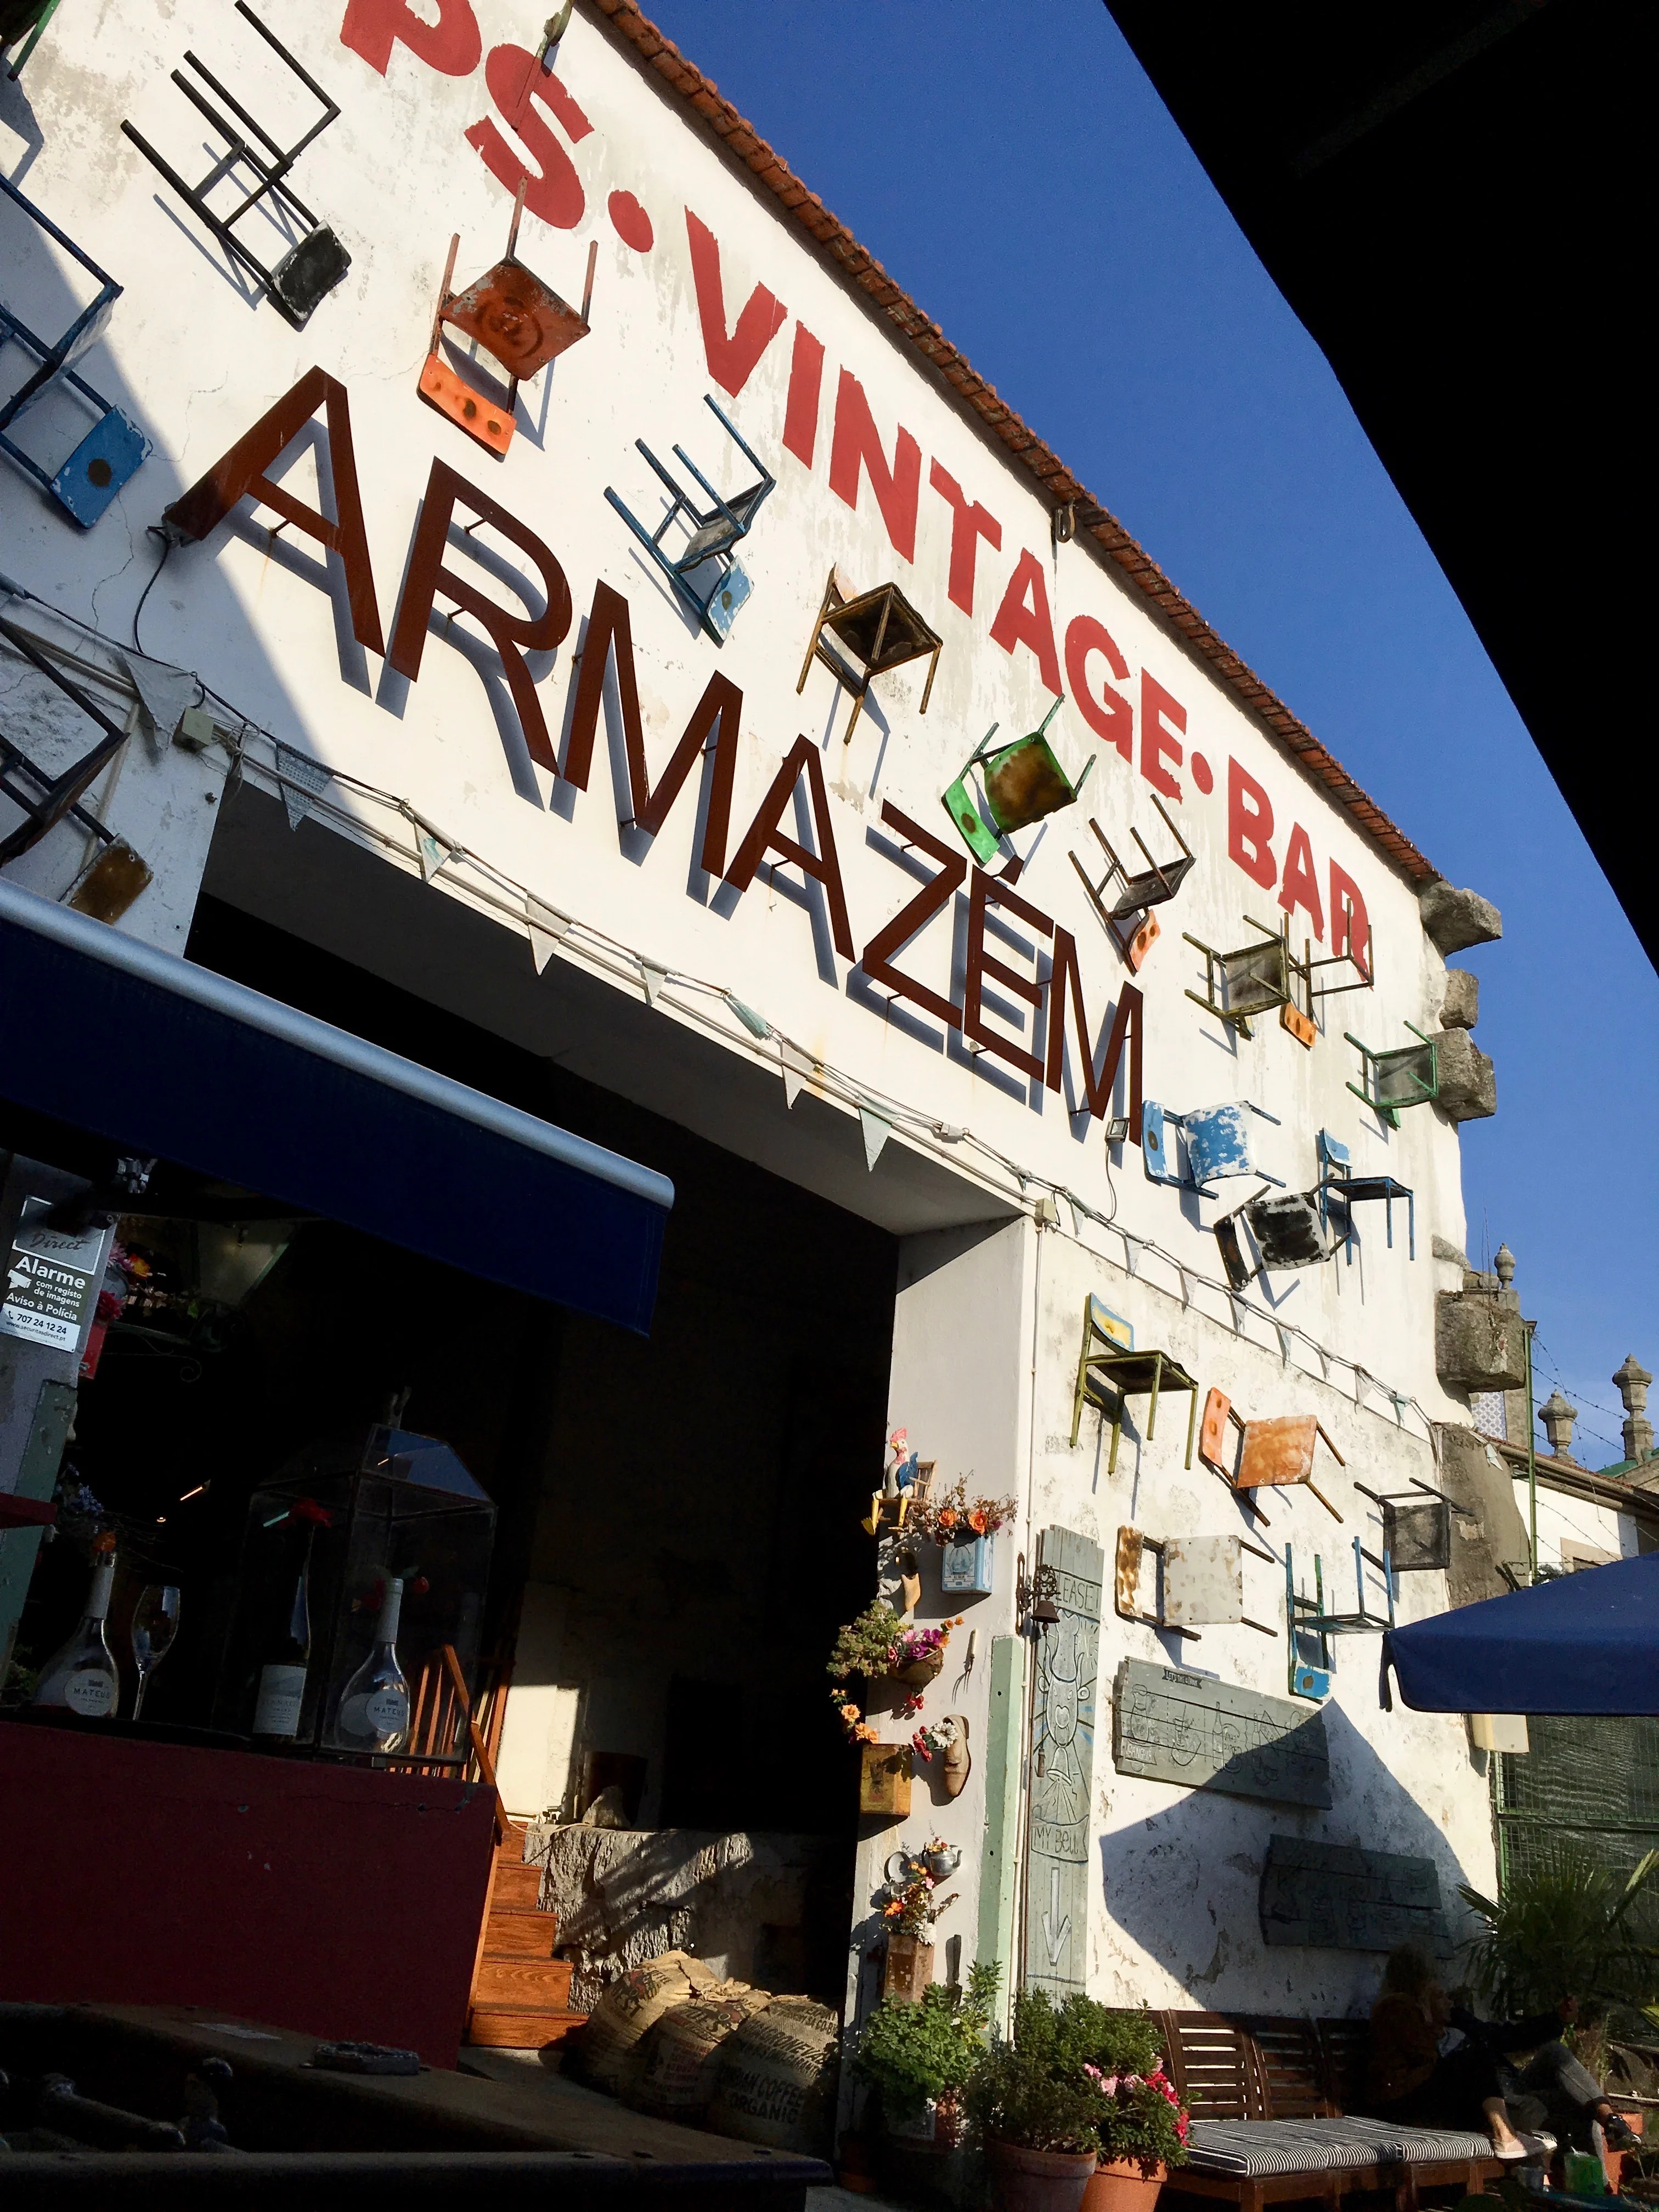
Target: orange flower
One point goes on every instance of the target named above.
(892, 1911)
(947, 1517)
(976, 1520)
(849, 1714)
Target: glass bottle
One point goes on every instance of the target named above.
(286, 1656)
(81, 1673)
(374, 1713)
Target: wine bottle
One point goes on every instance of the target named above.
(288, 1654)
(81, 1673)
(374, 1712)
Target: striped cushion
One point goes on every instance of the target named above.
(1265, 2146)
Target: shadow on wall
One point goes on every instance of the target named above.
(1184, 1885)
(192, 616)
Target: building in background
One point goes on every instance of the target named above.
(565, 617)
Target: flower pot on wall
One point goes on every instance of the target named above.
(885, 1779)
(1125, 2185)
(908, 1968)
(1038, 2180)
(968, 1569)
(921, 1671)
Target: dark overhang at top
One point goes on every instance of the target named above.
(1442, 193)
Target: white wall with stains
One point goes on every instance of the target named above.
(982, 1379)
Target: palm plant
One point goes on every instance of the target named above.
(1567, 1928)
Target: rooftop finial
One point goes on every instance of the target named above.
(1633, 1382)
(1503, 1261)
(1557, 1418)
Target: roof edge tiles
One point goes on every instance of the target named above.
(862, 269)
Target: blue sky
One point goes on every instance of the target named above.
(1016, 172)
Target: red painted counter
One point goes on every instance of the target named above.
(333, 1900)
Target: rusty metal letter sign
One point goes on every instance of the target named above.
(1062, 1768)
(1172, 1726)
(243, 472)
(1345, 1900)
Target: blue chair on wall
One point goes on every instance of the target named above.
(1218, 1144)
(717, 598)
(114, 449)
(1341, 1190)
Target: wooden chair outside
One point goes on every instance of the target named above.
(1261, 2067)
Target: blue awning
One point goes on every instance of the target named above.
(1586, 1643)
(164, 1057)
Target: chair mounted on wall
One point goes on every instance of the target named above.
(114, 449)
(518, 318)
(1198, 1578)
(1341, 1190)
(876, 630)
(1416, 1528)
(26, 20)
(1252, 979)
(1310, 1616)
(1404, 1075)
(317, 262)
(1109, 1372)
(1218, 1144)
(1125, 903)
(1273, 1453)
(116, 874)
(1289, 1228)
(1022, 782)
(714, 534)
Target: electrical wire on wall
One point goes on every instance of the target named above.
(473, 877)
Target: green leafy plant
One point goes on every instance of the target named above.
(914, 2053)
(1566, 1929)
(880, 1643)
(865, 1646)
(1077, 2077)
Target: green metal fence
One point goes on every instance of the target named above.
(1586, 1786)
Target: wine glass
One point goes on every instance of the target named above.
(154, 1625)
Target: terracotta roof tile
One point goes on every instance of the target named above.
(929, 341)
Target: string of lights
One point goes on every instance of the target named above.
(435, 852)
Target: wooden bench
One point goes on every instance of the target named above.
(1263, 2088)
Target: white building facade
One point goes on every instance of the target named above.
(452, 724)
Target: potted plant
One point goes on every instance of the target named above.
(882, 1644)
(1573, 1928)
(957, 1518)
(1143, 2126)
(917, 2058)
(909, 1909)
(1570, 1927)
(1075, 2096)
(965, 1530)
(940, 1858)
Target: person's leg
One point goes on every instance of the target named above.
(1573, 2094)
(1462, 2092)
(1505, 2140)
